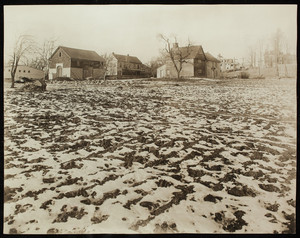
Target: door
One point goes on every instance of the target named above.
(59, 71)
(87, 72)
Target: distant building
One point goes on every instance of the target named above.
(228, 64)
(76, 63)
(270, 58)
(126, 66)
(198, 64)
(162, 72)
(24, 71)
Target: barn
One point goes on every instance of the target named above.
(76, 64)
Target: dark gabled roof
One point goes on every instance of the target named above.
(81, 54)
(127, 58)
(191, 52)
(209, 57)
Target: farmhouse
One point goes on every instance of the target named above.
(197, 64)
(75, 63)
(24, 71)
(124, 66)
(228, 64)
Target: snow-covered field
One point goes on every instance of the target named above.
(151, 157)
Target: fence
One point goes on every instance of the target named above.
(288, 70)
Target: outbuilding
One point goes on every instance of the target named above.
(76, 64)
(24, 71)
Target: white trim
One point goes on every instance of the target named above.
(66, 72)
(59, 64)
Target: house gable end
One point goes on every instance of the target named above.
(64, 59)
(56, 51)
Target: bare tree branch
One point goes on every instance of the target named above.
(24, 45)
(108, 66)
(177, 55)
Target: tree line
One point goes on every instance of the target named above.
(276, 46)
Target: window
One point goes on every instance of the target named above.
(9, 70)
(28, 71)
(24, 71)
(19, 71)
(59, 54)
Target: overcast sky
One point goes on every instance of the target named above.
(133, 29)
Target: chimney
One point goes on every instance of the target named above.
(175, 45)
(127, 57)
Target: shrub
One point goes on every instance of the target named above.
(32, 87)
(244, 75)
(38, 85)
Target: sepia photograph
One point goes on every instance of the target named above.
(150, 119)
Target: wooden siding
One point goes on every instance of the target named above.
(75, 63)
(212, 69)
(76, 73)
(98, 73)
(199, 68)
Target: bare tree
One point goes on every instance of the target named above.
(260, 52)
(43, 54)
(286, 58)
(277, 44)
(155, 63)
(24, 45)
(109, 65)
(252, 55)
(177, 55)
